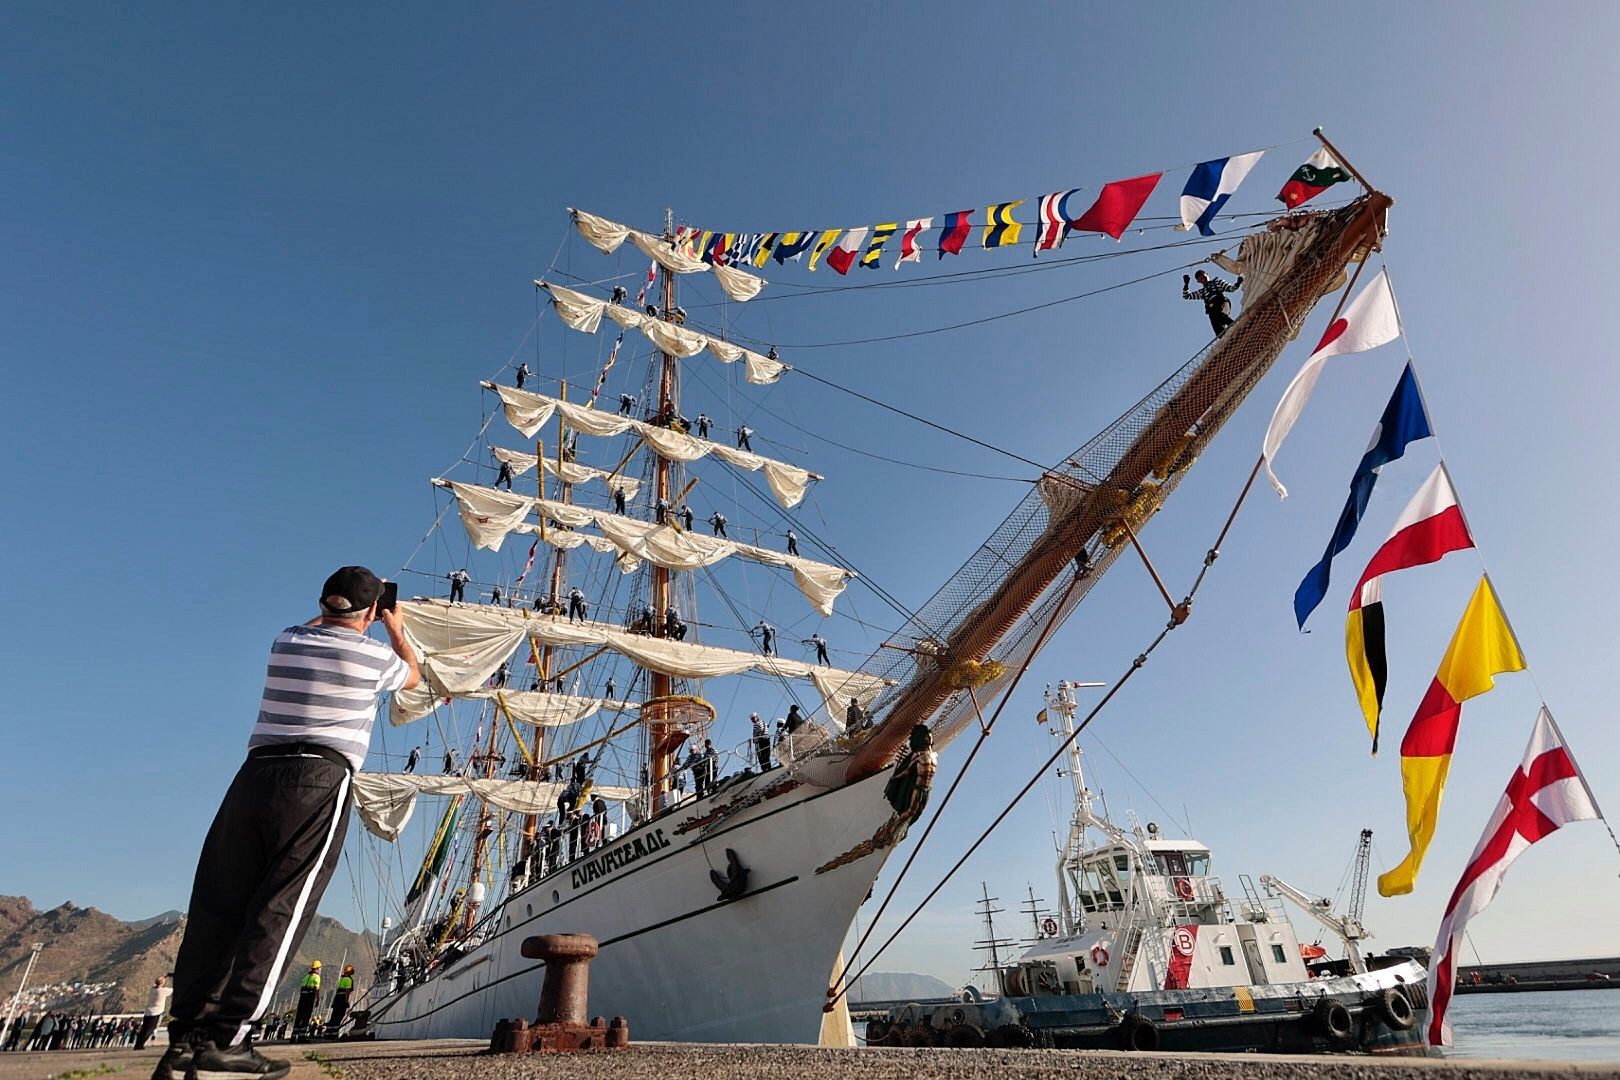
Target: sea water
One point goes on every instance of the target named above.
(1564, 1025)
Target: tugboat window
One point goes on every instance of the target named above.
(1226, 955)
(1278, 955)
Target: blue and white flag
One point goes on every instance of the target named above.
(1403, 422)
(1209, 186)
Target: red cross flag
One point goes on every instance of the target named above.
(1546, 793)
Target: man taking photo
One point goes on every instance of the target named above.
(279, 831)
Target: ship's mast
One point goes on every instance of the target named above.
(1062, 703)
(991, 943)
(661, 684)
(531, 822)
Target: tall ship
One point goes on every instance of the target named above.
(1150, 949)
(578, 780)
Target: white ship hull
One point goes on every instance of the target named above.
(677, 963)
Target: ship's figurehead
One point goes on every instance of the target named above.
(906, 792)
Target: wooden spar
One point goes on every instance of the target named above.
(570, 669)
(1264, 329)
(531, 822)
(608, 480)
(661, 684)
(1341, 159)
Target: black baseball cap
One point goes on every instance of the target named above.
(350, 589)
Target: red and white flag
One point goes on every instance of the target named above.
(842, 257)
(1546, 793)
(1368, 322)
(909, 251)
(1429, 528)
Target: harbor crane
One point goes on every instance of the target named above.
(1347, 928)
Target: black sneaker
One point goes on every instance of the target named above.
(175, 1062)
(232, 1062)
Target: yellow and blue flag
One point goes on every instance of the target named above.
(1001, 229)
(874, 250)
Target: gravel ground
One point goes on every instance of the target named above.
(670, 1061)
(667, 1061)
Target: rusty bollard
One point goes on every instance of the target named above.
(564, 995)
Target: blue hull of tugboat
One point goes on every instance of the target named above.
(1290, 1019)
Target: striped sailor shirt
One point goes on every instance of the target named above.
(322, 687)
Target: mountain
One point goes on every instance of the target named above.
(899, 986)
(170, 916)
(96, 963)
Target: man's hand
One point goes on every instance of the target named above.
(1186, 279)
(394, 624)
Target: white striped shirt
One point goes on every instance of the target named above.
(322, 687)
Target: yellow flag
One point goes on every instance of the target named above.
(1482, 648)
(874, 250)
(826, 240)
(1002, 229)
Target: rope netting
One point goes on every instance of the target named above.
(983, 623)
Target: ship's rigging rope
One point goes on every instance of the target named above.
(1177, 618)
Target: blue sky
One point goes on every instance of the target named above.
(255, 265)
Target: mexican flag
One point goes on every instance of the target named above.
(1318, 174)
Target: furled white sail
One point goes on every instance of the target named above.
(537, 707)
(385, 801)
(661, 545)
(656, 248)
(461, 646)
(577, 310)
(566, 471)
(528, 412)
(584, 313)
(606, 236)
(568, 540)
(738, 284)
(489, 513)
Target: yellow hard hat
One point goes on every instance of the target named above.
(316, 964)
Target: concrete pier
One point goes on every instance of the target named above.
(465, 1060)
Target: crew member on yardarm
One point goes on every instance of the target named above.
(1212, 291)
(277, 837)
(458, 584)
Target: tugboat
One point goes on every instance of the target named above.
(1149, 951)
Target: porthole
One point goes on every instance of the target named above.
(529, 909)
(556, 896)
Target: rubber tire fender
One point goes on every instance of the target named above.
(1395, 1009)
(1139, 1033)
(1332, 1020)
(876, 1032)
(964, 1036)
(1012, 1037)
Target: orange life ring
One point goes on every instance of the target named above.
(1099, 955)
(1184, 888)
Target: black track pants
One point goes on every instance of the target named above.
(266, 862)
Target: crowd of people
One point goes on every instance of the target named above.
(62, 1031)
